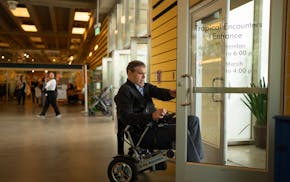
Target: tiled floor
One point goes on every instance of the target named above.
(247, 156)
(75, 148)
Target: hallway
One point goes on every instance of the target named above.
(74, 148)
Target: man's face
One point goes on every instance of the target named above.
(138, 76)
(51, 75)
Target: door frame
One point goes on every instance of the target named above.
(206, 172)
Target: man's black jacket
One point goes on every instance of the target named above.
(135, 109)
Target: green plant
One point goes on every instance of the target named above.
(257, 103)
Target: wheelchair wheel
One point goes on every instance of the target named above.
(122, 170)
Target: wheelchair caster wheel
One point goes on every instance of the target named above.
(121, 170)
(170, 154)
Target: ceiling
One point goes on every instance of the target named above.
(53, 42)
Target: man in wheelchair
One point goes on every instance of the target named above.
(137, 115)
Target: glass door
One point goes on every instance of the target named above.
(227, 61)
(208, 70)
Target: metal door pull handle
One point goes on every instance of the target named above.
(189, 95)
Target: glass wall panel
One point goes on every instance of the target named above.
(229, 58)
(128, 19)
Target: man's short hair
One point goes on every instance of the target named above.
(133, 64)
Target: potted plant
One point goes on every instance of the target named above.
(257, 103)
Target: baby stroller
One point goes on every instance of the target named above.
(102, 102)
(125, 168)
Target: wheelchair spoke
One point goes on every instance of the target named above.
(122, 172)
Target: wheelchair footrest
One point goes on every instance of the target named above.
(148, 163)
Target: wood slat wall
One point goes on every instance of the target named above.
(286, 96)
(163, 48)
(102, 41)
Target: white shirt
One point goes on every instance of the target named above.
(140, 89)
(50, 85)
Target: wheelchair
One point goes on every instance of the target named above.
(126, 167)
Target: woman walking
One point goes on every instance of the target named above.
(50, 93)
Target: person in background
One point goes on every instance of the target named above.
(42, 87)
(37, 93)
(72, 97)
(50, 93)
(33, 85)
(20, 89)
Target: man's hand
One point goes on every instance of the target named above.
(158, 114)
(172, 93)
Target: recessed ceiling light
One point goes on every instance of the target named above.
(29, 28)
(21, 12)
(90, 54)
(82, 16)
(96, 47)
(78, 30)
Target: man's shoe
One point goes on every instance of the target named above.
(58, 116)
(40, 116)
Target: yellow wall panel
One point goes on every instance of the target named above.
(288, 66)
(154, 2)
(287, 111)
(162, 6)
(167, 46)
(286, 96)
(287, 86)
(100, 40)
(163, 49)
(163, 19)
(167, 56)
(288, 43)
(165, 76)
(168, 85)
(166, 66)
(164, 38)
(169, 106)
(170, 24)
